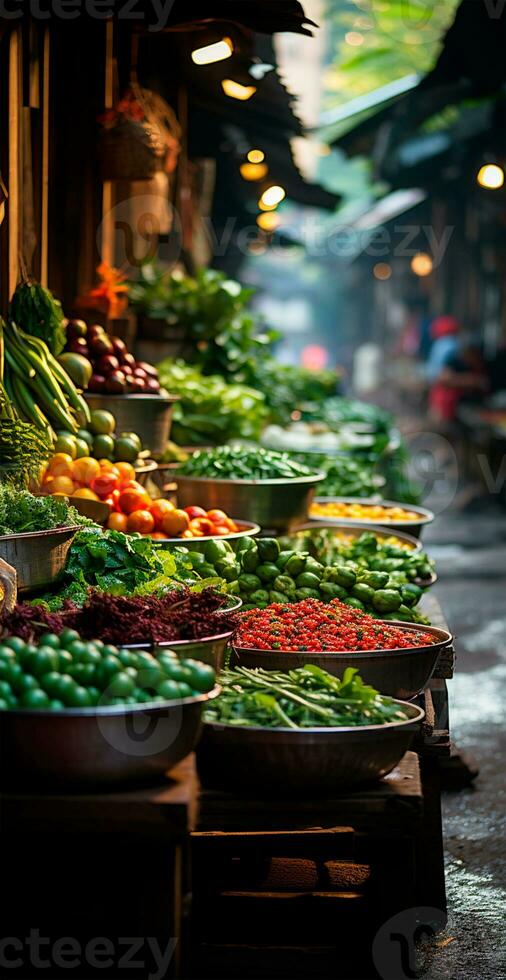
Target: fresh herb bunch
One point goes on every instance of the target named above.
(345, 476)
(221, 335)
(121, 564)
(211, 410)
(23, 446)
(22, 512)
(288, 387)
(242, 463)
(40, 314)
(307, 697)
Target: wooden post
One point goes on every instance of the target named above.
(14, 216)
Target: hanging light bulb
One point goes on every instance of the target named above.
(271, 197)
(422, 264)
(210, 53)
(253, 171)
(490, 176)
(256, 156)
(268, 221)
(235, 90)
(382, 271)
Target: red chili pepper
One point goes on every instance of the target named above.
(314, 626)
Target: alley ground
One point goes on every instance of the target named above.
(470, 550)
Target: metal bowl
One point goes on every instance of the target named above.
(399, 673)
(210, 649)
(413, 527)
(89, 747)
(150, 416)
(38, 556)
(322, 761)
(274, 504)
(354, 531)
(246, 530)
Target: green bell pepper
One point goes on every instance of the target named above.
(386, 600)
(268, 549)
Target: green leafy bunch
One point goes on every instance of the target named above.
(22, 512)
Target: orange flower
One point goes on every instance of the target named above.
(111, 294)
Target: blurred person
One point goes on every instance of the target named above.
(455, 370)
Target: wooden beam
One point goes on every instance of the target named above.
(44, 219)
(14, 217)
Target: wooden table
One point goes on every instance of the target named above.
(109, 865)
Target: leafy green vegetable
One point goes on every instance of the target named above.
(21, 512)
(211, 411)
(239, 462)
(307, 697)
(121, 564)
(40, 314)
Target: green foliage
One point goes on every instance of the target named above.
(40, 314)
(400, 38)
(21, 512)
(210, 309)
(211, 410)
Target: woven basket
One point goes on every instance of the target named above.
(131, 151)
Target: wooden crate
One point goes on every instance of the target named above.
(302, 876)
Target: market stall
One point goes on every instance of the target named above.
(223, 672)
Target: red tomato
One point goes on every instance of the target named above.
(132, 499)
(202, 526)
(130, 485)
(217, 516)
(104, 484)
(141, 520)
(195, 512)
(159, 509)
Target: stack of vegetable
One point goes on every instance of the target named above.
(211, 410)
(44, 386)
(180, 614)
(24, 447)
(121, 564)
(243, 463)
(311, 625)
(65, 671)
(261, 574)
(38, 386)
(376, 554)
(21, 512)
(304, 698)
(103, 364)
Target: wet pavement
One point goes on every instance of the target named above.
(470, 550)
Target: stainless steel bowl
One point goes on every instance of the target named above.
(354, 531)
(210, 649)
(282, 761)
(246, 530)
(411, 527)
(150, 416)
(274, 504)
(90, 747)
(400, 673)
(38, 556)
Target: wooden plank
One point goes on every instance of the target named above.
(44, 206)
(14, 202)
(163, 809)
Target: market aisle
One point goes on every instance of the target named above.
(470, 550)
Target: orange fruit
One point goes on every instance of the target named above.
(125, 470)
(117, 521)
(175, 522)
(159, 509)
(61, 464)
(141, 520)
(85, 493)
(132, 499)
(62, 484)
(85, 469)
